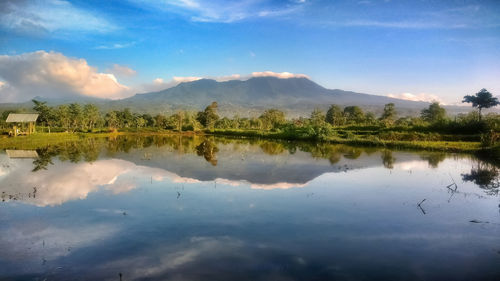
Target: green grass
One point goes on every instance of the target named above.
(360, 140)
(39, 140)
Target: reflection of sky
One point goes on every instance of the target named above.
(114, 216)
(68, 181)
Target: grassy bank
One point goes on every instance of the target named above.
(364, 140)
(40, 140)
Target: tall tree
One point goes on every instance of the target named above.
(112, 120)
(272, 118)
(482, 99)
(63, 116)
(46, 114)
(91, 115)
(354, 114)
(434, 113)
(75, 115)
(209, 116)
(389, 114)
(334, 115)
(317, 117)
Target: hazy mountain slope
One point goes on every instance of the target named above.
(294, 95)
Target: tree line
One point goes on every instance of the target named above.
(84, 118)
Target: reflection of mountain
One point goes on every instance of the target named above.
(83, 168)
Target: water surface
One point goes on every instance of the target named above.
(204, 208)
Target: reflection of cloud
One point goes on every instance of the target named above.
(75, 181)
(160, 261)
(279, 185)
(412, 165)
(24, 241)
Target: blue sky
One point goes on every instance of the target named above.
(412, 49)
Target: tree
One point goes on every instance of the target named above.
(334, 115)
(354, 114)
(209, 116)
(389, 114)
(317, 117)
(434, 113)
(91, 115)
(482, 99)
(112, 120)
(272, 118)
(63, 116)
(75, 115)
(160, 121)
(45, 113)
(179, 117)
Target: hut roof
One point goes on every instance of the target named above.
(22, 153)
(21, 118)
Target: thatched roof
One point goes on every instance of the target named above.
(22, 153)
(21, 118)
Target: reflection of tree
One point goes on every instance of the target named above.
(353, 153)
(485, 176)
(334, 158)
(272, 148)
(387, 159)
(433, 158)
(208, 150)
(43, 160)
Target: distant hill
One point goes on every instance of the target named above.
(295, 96)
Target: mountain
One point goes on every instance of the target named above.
(296, 96)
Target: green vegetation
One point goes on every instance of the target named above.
(432, 130)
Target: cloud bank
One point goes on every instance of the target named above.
(418, 97)
(159, 84)
(53, 75)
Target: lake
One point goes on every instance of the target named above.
(213, 208)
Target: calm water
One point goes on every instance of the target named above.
(172, 208)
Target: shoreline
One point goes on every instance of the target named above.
(39, 140)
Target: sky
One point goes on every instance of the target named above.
(418, 50)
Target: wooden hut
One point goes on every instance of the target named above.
(19, 121)
(21, 153)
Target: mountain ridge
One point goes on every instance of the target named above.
(296, 96)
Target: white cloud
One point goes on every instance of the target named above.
(49, 16)
(283, 75)
(159, 84)
(121, 70)
(54, 75)
(115, 46)
(402, 24)
(419, 97)
(227, 77)
(223, 11)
